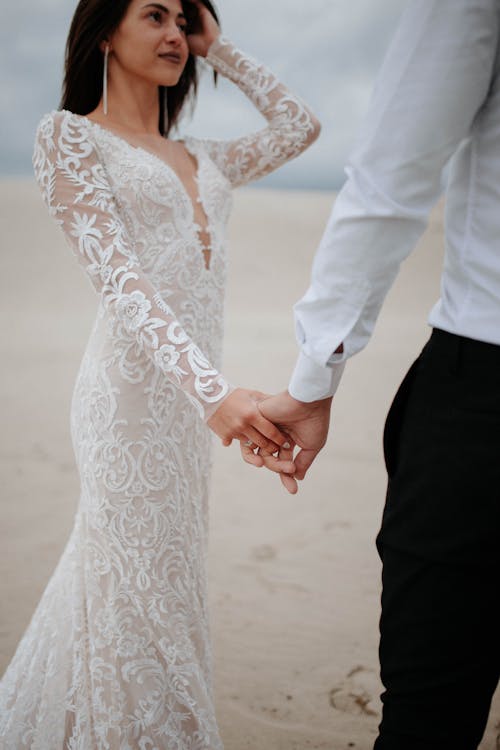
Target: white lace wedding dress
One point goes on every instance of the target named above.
(117, 654)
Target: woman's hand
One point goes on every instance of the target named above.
(202, 38)
(274, 463)
(239, 418)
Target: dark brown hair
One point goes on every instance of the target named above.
(93, 21)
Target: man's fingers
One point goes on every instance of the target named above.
(303, 461)
(260, 440)
(286, 454)
(271, 432)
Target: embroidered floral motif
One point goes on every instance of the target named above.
(117, 655)
(133, 309)
(167, 357)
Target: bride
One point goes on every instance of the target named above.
(117, 655)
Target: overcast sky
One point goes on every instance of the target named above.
(327, 51)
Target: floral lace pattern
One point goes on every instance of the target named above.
(291, 127)
(117, 655)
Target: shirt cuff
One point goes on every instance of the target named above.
(313, 382)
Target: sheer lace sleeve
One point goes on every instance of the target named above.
(76, 190)
(291, 128)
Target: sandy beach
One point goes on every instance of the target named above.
(294, 581)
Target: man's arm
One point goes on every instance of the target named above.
(433, 82)
(432, 85)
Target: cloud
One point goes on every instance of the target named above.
(326, 51)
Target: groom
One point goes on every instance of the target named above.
(437, 101)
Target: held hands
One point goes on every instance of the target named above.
(239, 418)
(200, 40)
(269, 425)
(307, 425)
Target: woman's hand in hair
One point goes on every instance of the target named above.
(204, 33)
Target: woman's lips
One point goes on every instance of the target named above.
(171, 57)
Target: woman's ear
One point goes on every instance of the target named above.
(103, 44)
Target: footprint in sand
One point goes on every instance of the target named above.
(358, 693)
(264, 552)
(336, 525)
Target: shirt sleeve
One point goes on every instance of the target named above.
(433, 83)
(291, 128)
(76, 190)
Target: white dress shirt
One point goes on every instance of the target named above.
(437, 98)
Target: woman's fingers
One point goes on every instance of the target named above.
(248, 455)
(239, 415)
(287, 477)
(278, 465)
(283, 463)
(289, 483)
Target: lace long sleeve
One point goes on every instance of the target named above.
(77, 192)
(292, 127)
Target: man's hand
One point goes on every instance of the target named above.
(239, 418)
(306, 423)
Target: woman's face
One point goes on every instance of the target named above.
(150, 43)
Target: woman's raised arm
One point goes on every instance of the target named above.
(292, 127)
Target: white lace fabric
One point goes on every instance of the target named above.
(117, 654)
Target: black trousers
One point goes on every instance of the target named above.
(439, 543)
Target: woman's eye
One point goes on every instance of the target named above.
(155, 15)
(183, 27)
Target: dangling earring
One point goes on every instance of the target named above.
(164, 104)
(105, 81)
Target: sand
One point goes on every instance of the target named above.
(295, 581)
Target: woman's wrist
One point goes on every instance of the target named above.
(212, 43)
(210, 408)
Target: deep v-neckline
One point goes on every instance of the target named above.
(207, 252)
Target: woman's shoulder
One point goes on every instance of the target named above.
(189, 143)
(52, 123)
(52, 120)
(196, 146)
